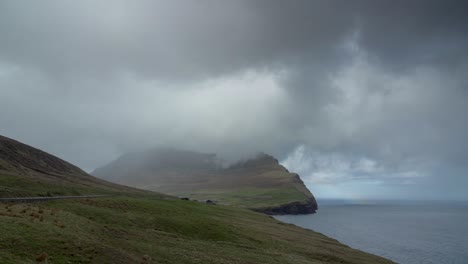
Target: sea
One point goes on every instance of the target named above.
(408, 232)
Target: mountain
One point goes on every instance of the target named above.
(261, 183)
(134, 226)
(27, 171)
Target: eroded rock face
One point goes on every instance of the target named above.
(294, 208)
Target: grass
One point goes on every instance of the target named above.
(146, 229)
(257, 183)
(150, 230)
(20, 186)
(138, 227)
(134, 226)
(253, 189)
(250, 196)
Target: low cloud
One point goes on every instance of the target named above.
(333, 168)
(371, 97)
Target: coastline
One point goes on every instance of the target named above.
(404, 232)
(308, 206)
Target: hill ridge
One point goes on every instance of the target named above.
(31, 169)
(22, 156)
(131, 226)
(258, 183)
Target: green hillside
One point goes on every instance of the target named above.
(133, 226)
(260, 183)
(153, 229)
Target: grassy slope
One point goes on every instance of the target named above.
(254, 187)
(12, 185)
(256, 183)
(152, 228)
(249, 197)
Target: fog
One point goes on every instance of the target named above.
(364, 99)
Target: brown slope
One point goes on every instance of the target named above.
(27, 170)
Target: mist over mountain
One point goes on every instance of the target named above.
(375, 89)
(258, 183)
(167, 103)
(68, 222)
(139, 168)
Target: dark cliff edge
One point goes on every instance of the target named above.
(308, 206)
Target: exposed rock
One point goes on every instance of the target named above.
(294, 208)
(210, 202)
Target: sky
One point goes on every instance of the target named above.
(364, 99)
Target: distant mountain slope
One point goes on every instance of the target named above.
(27, 171)
(132, 226)
(20, 157)
(260, 183)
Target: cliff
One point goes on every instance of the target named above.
(131, 226)
(260, 183)
(308, 206)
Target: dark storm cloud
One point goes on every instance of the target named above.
(349, 82)
(171, 38)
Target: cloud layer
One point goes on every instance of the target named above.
(368, 91)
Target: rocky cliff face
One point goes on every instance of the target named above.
(308, 206)
(269, 163)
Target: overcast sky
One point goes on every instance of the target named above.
(364, 99)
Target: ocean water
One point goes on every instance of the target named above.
(406, 233)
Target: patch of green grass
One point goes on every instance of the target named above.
(148, 229)
(21, 186)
